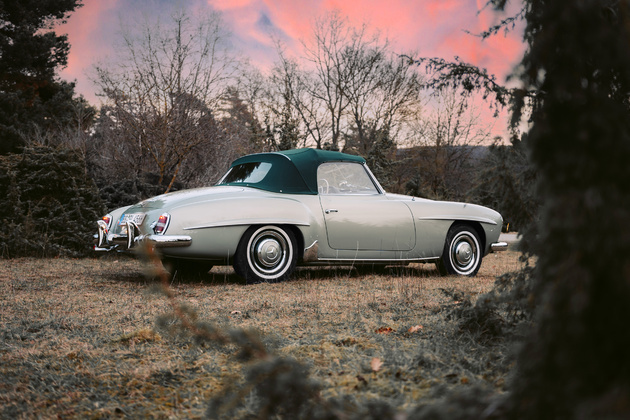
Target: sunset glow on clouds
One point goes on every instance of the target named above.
(429, 28)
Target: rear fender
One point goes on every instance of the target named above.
(216, 227)
(238, 212)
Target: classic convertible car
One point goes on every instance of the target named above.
(273, 211)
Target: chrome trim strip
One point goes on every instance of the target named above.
(166, 241)
(377, 184)
(498, 246)
(460, 217)
(249, 222)
(369, 260)
(99, 249)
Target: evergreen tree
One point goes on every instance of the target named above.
(381, 156)
(576, 363)
(506, 182)
(31, 96)
(288, 134)
(246, 133)
(576, 77)
(48, 204)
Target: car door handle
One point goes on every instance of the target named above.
(328, 211)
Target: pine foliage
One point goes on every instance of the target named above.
(576, 363)
(48, 204)
(31, 96)
(506, 182)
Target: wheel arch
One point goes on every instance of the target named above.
(476, 226)
(263, 253)
(299, 236)
(463, 249)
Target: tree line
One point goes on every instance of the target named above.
(178, 105)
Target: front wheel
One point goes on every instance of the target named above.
(266, 254)
(462, 252)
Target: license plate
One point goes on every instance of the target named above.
(137, 218)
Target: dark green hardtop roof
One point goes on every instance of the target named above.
(293, 171)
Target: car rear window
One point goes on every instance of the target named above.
(247, 173)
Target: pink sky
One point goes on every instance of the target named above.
(430, 28)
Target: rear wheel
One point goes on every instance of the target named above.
(266, 254)
(462, 252)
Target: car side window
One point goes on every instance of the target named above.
(347, 178)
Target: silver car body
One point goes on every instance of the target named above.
(330, 225)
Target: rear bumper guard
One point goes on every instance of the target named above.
(105, 241)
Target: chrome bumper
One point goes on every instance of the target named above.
(498, 246)
(105, 241)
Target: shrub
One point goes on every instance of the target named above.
(48, 204)
(124, 192)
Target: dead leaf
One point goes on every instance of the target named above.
(235, 313)
(384, 330)
(415, 329)
(376, 364)
(140, 336)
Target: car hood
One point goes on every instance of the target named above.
(180, 198)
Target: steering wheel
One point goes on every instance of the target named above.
(321, 184)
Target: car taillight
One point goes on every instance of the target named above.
(162, 224)
(108, 220)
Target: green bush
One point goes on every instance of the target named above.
(48, 204)
(125, 192)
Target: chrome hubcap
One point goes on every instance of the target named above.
(464, 253)
(268, 252)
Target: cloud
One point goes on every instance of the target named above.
(89, 41)
(434, 28)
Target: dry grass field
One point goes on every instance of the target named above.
(81, 338)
